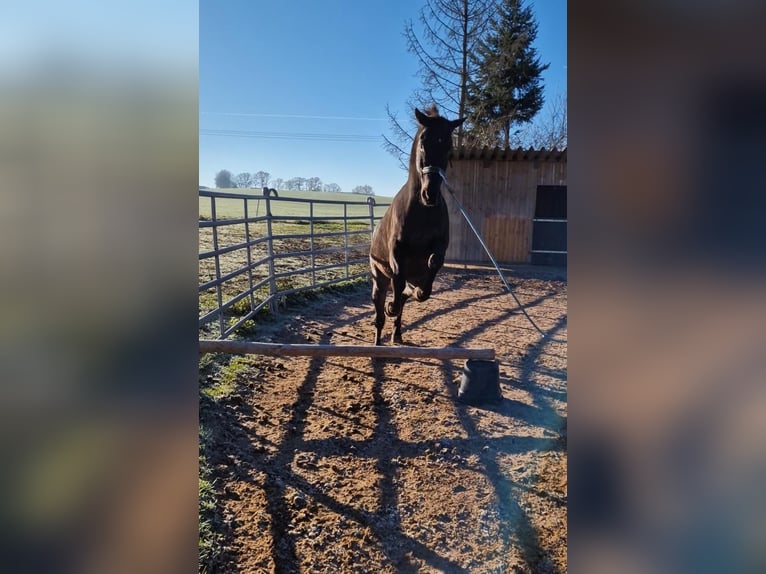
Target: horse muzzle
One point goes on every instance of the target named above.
(431, 196)
(431, 191)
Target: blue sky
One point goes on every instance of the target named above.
(326, 70)
(92, 33)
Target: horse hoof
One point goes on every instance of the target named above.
(397, 340)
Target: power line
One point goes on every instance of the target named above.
(297, 116)
(291, 136)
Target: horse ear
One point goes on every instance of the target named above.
(421, 117)
(455, 123)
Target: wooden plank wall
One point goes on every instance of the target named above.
(499, 196)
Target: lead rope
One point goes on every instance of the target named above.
(491, 258)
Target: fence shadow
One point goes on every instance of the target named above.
(241, 454)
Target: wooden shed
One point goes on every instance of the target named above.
(517, 200)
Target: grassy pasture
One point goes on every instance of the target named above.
(234, 208)
(299, 213)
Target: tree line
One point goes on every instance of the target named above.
(260, 179)
(477, 60)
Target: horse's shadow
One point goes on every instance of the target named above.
(240, 454)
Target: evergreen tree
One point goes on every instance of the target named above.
(507, 89)
(223, 179)
(447, 33)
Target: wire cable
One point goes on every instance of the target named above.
(491, 257)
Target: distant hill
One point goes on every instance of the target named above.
(341, 196)
(233, 208)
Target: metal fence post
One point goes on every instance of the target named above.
(273, 303)
(371, 206)
(311, 243)
(345, 235)
(249, 258)
(218, 290)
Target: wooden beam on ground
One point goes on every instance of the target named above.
(393, 352)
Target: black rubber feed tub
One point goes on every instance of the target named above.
(480, 383)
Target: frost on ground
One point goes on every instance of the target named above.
(358, 465)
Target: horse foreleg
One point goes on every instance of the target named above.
(394, 308)
(435, 261)
(379, 288)
(393, 257)
(396, 336)
(423, 293)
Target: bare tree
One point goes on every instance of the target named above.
(243, 180)
(549, 130)
(400, 139)
(296, 184)
(261, 178)
(314, 184)
(363, 190)
(448, 34)
(278, 183)
(331, 187)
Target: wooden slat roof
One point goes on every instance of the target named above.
(509, 154)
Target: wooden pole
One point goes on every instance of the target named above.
(399, 352)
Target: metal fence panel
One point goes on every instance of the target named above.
(248, 263)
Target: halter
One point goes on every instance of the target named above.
(432, 169)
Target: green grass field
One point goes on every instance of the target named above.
(234, 208)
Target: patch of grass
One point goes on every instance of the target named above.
(210, 540)
(286, 283)
(207, 363)
(240, 308)
(248, 327)
(219, 375)
(346, 286)
(337, 288)
(220, 389)
(224, 382)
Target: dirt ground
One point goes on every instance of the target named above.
(358, 465)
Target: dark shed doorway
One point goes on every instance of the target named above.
(549, 226)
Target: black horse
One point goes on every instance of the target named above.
(409, 243)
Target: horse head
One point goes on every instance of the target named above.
(431, 151)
